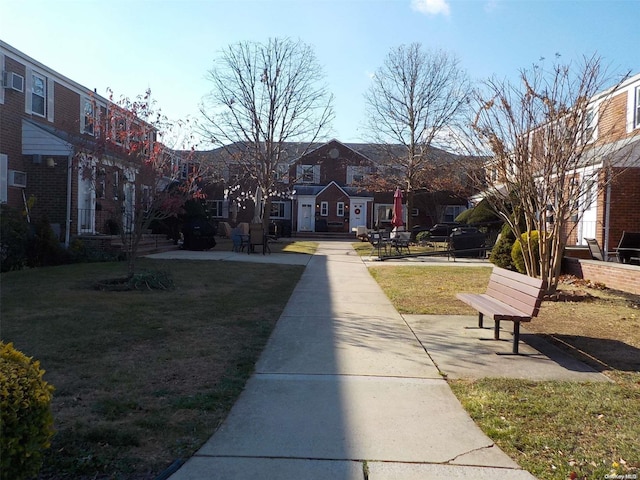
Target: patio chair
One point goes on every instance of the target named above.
(257, 236)
(596, 251)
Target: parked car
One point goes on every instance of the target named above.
(440, 232)
(467, 242)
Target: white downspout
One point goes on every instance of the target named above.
(607, 213)
(67, 230)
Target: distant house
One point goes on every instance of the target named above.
(322, 188)
(52, 130)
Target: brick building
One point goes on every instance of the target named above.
(51, 130)
(612, 194)
(323, 187)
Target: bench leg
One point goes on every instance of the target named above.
(516, 336)
(480, 317)
(496, 330)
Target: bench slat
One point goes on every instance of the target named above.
(510, 296)
(492, 308)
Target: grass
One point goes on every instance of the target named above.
(142, 377)
(555, 430)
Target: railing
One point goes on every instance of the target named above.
(92, 221)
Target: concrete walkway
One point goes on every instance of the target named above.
(345, 390)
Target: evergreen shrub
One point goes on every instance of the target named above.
(26, 421)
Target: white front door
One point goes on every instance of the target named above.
(306, 217)
(358, 214)
(86, 200)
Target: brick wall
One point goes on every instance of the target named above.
(617, 276)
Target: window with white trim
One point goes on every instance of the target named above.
(340, 209)
(88, 116)
(324, 209)
(38, 94)
(281, 173)
(636, 123)
(306, 173)
(214, 208)
(277, 209)
(452, 211)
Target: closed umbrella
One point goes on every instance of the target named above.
(397, 220)
(257, 211)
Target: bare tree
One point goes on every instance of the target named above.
(416, 101)
(263, 96)
(546, 158)
(135, 177)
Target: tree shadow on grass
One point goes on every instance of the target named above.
(600, 353)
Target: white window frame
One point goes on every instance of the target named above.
(33, 94)
(86, 101)
(305, 172)
(340, 209)
(455, 210)
(215, 208)
(324, 209)
(280, 207)
(636, 123)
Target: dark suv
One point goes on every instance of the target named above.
(440, 231)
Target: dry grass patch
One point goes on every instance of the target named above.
(555, 430)
(142, 377)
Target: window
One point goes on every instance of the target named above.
(637, 109)
(415, 212)
(116, 186)
(101, 187)
(88, 117)
(214, 208)
(281, 173)
(306, 174)
(277, 210)
(590, 125)
(452, 211)
(324, 209)
(340, 209)
(38, 94)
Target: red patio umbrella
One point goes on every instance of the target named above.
(397, 220)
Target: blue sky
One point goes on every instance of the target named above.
(169, 45)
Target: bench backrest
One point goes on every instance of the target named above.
(629, 240)
(520, 291)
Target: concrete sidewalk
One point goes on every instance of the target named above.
(345, 390)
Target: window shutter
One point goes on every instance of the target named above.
(50, 100)
(225, 208)
(316, 174)
(28, 86)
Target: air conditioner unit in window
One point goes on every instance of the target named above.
(17, 179)
(13, 81)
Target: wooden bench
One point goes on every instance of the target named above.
(510, 296)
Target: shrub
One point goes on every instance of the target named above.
(501, 252)
(423, 236)
(26, 421)
(14, 235)
(516, 252)
(44, 247)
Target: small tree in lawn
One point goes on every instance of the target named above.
(263, 96)
(149, 186)
(545, 158)
(416, 100)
